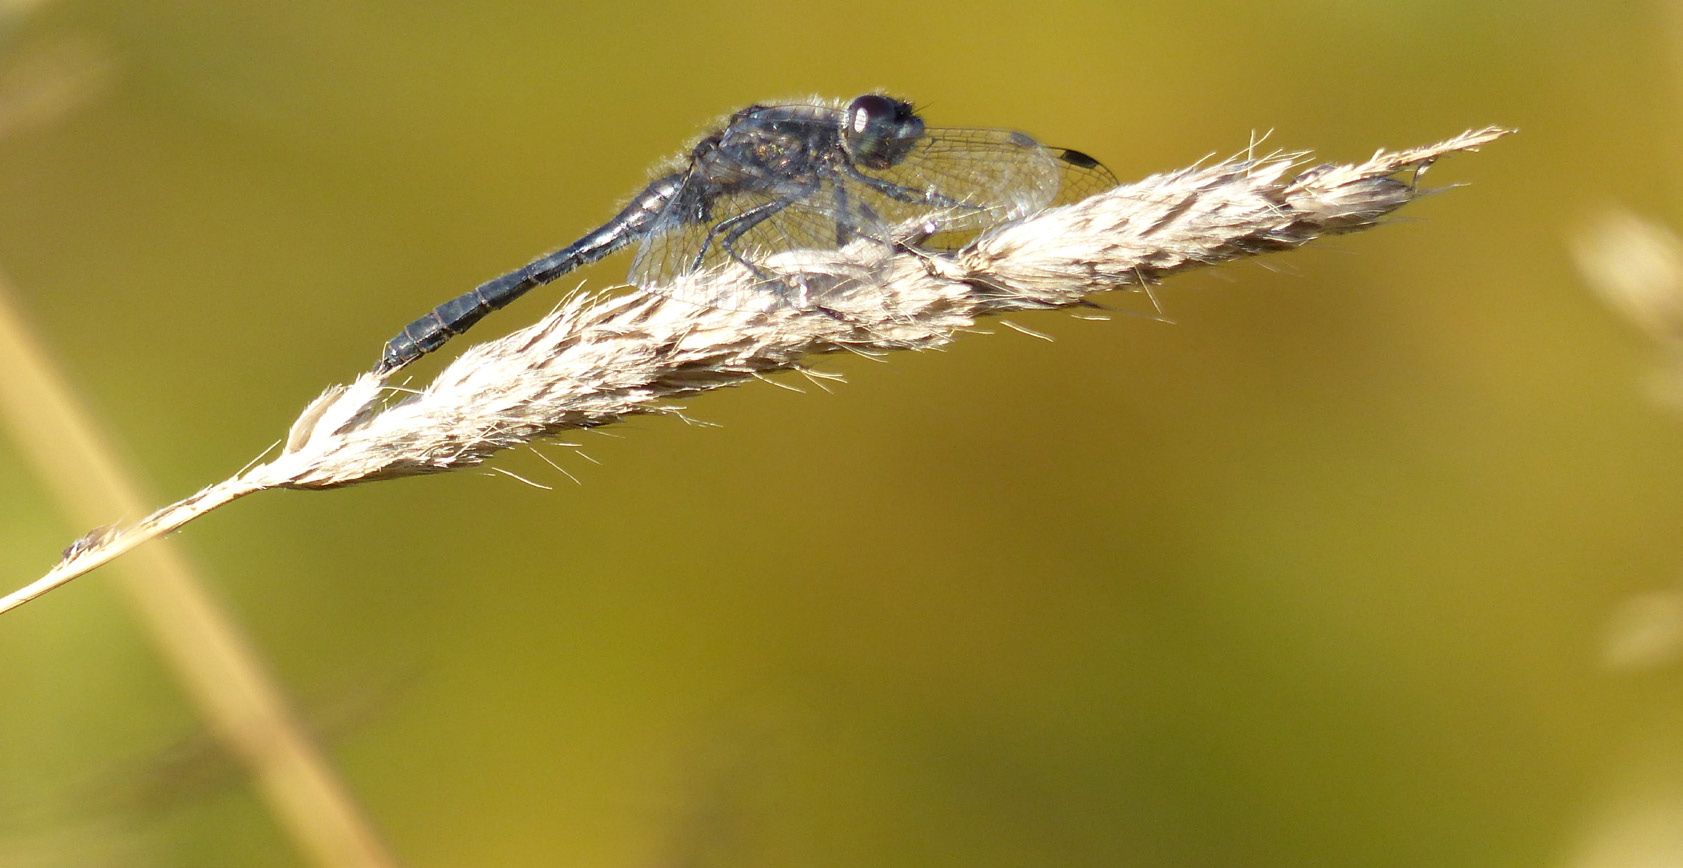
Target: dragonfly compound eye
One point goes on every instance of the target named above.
(879, 131)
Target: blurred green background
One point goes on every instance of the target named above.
(1324, 573)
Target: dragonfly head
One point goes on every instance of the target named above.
(879, 131)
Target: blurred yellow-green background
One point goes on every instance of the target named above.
(1344, 567)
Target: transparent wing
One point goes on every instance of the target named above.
(953, 184)
(746, 228)
(960, 181)
(1082, 176)
(971, 179)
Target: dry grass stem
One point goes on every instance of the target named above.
(201, 645)
(598, 359)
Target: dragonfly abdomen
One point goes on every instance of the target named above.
(460, 313)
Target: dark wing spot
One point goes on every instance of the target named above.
(1076, 158)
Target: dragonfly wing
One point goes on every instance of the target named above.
(953, 184)
(1081, 176)
(965, 180)
(746, 229)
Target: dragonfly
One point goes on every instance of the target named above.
(779, 178)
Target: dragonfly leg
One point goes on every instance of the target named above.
(731, 229)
